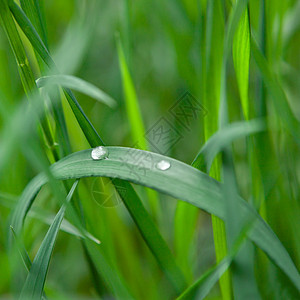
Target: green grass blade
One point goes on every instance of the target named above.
(43, 55)
(243, 278)
(34, 284)
(31, 33)
(224, 137)
(215, 26)
(33, 12)
(180, 181)
(114, 282)
(22, 251)
(132, 105)
(26, 73)
(275, 89)
(241, 59)
(17, 47)
(24, 255)
(133, 111)
(201, 288)
(77, 84)
(47, 218)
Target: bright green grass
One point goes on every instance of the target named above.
(223, 227)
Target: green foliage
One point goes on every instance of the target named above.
(239, 62)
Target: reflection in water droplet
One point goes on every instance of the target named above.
(99, 153)
(163, 165)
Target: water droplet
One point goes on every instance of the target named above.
(99, 153)
(163, 165)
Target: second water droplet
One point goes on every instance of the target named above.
(163, 165)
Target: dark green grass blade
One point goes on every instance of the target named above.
(34, 284)
(32, 9)
(180, 181)
(77, 84)
(31, 33)
(223, 138)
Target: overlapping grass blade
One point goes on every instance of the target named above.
(76, 84)
(224, 137)
(34, 284)
(180, 181)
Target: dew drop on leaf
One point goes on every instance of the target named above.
(99, 153)
(163, 165)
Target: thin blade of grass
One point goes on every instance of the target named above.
(77, 84)
(201, 288)
(241, 59)
(35, 281)
(33, 12)
(245, 259)
(224, 137)
(243, 278)
(132, 105)
(47, 218)
(215, 26)
(133, 111)
(180, 181)
(24, 255)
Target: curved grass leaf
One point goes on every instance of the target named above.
(77, 84)
(223, 138)
(180, 181)
(34, 284)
